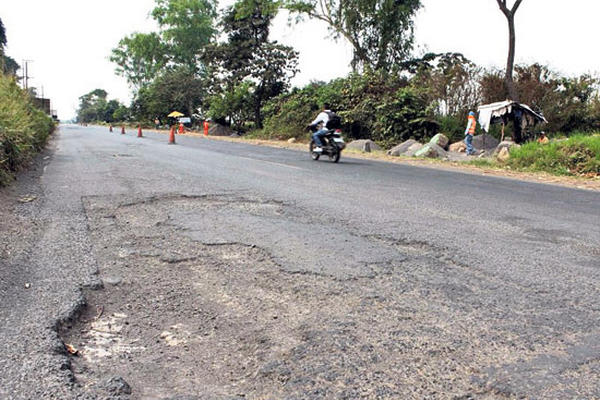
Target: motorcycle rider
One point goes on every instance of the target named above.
(322, 119)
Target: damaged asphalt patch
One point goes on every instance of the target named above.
(228, 297)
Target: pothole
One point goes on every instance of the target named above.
(227, 318)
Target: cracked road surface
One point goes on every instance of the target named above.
(217, 270)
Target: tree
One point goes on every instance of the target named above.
(94, 107)
(2, 37)
(248, 62)
(178, 89)
(2, 44)
(10, 66)
(510, 17)
(187, 27)
(380, 31)
(450, 81)
(139, 58)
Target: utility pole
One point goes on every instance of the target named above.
(26, 76)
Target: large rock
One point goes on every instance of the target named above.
(441, 140)
(503, 155)
(507, 144)
(413, 149)
(485, 142)
(458, 147)
(401, 148)
(431, 150)
(219, 130)
(365, 145)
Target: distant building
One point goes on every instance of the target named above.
(43, 104)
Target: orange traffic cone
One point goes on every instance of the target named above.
(140, 130)
(172, 135)
(123, 130)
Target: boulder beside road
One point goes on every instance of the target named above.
(364, 145)
(441, 140)
(410, 152)
(458, 147)
(401, 148)
(507, 144)
(503, 155)
(485, 142)
(431, 150)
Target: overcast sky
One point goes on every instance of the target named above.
(69, 41)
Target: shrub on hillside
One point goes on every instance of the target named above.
(24, 128)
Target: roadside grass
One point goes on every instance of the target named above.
(484, 163)
(24, 129)
(578, 155)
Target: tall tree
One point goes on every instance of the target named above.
(2, 37)
(2, 44)
(139, 58)
(178, 89)
(187, 27)
(380, 31)
(510, 17)
(94, 106)
(249, 59)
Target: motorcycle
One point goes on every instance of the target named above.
(333, 144)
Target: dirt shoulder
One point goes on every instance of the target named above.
(586, 183)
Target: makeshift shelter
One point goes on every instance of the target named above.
(522, 116)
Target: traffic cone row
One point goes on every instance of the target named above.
(140, 134)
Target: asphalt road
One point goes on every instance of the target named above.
(211, 269)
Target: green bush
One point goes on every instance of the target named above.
(577, 155)
(24, 128)
(372, 106)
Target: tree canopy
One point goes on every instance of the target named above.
(186, 27)
(140, 57)
(380, 31)
(248, 62)
(94, 106)
(2, 37)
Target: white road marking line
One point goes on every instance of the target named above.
(274, 163)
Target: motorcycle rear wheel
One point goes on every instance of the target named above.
(335, 157)
(313, 155)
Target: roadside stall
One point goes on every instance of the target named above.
(522, 116)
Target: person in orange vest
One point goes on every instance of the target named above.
(470, 132)
(206, 126)
(543, 139)
(181, 129)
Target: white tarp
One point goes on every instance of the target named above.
(488, 112)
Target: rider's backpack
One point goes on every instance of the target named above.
(335, 121)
